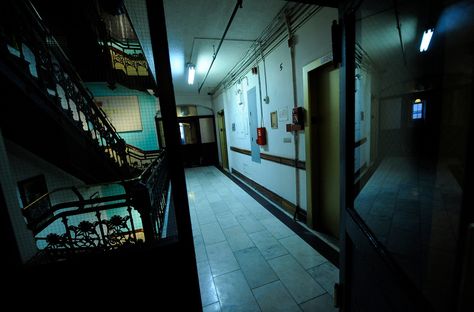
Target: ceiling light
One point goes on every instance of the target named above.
(191, 73)
(425, 42)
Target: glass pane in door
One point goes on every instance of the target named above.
(207, 130)
(411, 124)
(188, 132)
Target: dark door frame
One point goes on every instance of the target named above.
(221, 116)
(314, 151)
(199, 145)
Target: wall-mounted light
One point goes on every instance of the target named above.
(191, 73)
(425, 41)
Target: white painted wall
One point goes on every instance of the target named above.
(280, 92)
(26, 165)
(17, 164)
(203, 102)
(24, 237)
(313, 42)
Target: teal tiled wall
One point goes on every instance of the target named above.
(145, 139)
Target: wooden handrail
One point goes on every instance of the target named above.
(120, 182)
(140, 150)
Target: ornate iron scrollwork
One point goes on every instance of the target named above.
(157, 186)
(102, 234)
(123, 61)
(118, 232)
(63, 86)
(57, 241)
(85, 235)
(55, 73)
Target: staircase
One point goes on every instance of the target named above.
(129, 66)
(104, 244)
(50, 111)
(101, 217)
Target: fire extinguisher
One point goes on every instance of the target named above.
(261, 136)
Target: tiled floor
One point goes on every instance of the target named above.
(414, 210)
(247, 259)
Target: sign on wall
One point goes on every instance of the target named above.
(242, 123)
(122, 111)
(283, 113)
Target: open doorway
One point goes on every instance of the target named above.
(198, 145)
(222, 139)
(322, 146)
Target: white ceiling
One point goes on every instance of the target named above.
(189, 21)
(377, 34)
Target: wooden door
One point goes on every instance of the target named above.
(222, 139)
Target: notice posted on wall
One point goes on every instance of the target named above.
(283, 113)
(122, 111)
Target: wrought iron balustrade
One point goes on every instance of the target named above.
(104, 216)
(26, 42)
(128, 57)
(65, 219)
(140, 159)
(155, 181)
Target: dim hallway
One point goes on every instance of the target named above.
(247, 259)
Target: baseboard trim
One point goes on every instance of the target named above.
(277, 199)
(313, 240)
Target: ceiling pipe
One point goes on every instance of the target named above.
(325, 3)
(270, 38)
(215, 39)
(291, 45)
(399, 27)
(237, 6)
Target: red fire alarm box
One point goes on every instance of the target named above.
(261, 136)
(297, 115)
(297, 118)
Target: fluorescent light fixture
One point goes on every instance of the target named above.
(191, 73)
(425, 42)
